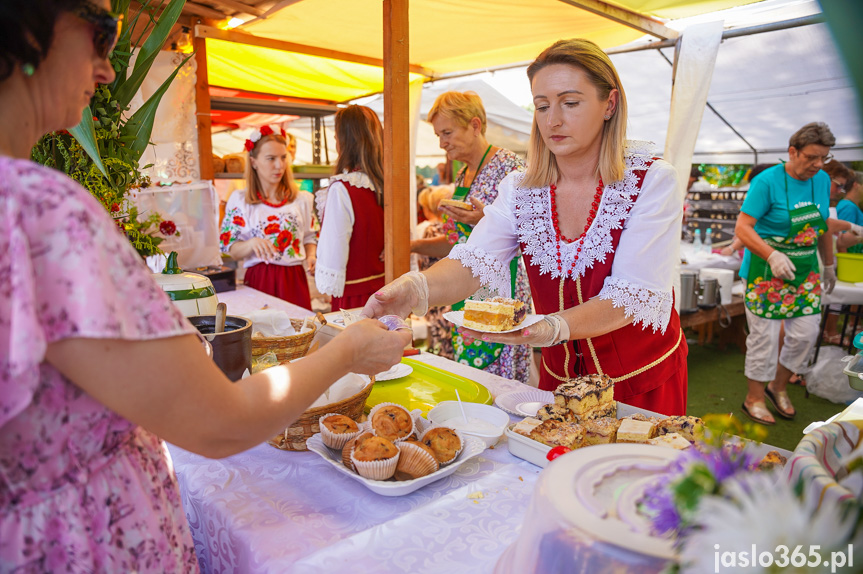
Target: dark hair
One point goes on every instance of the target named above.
(361, 145)
(28, 31)
(812, 133)
(695, 172)
(758, 168)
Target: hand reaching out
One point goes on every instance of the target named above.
(374, 348)
(470, 217)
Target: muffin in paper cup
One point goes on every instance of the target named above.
(391, 424)
(349, 447)
(337, 440)
(375, 458)
(446, 443)
(415, 460)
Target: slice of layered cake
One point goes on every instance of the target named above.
(600, 431)
(555, 412)
(588, 397)
(686, 426)
(556, 433)
(632, 430)
(670, 440)
(496, 314)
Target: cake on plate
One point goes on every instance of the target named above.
(495, 314)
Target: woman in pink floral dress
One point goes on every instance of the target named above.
(96, 365)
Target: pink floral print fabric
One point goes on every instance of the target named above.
(82, 489)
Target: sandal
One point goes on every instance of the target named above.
(756, 412)
(797, 380)
(781, 403)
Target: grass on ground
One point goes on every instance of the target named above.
(717, 385)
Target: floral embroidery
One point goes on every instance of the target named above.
(807, 236)
(783, 299)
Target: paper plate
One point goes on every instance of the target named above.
(397, 371)
(457, 319)
(524, 403)
(425, 387)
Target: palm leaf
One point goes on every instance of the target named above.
(141, 123)
(148, 52)
(85, 133)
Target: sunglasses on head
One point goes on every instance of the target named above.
(106, 27)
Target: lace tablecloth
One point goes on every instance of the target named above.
(267, 510)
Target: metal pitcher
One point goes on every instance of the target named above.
(710, 295)
(688, 291)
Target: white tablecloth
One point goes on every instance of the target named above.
(701, 259)
(844, 294)
(267, 510)
(245, 300)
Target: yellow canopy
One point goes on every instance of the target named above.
(446, 36)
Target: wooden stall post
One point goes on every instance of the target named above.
(396, 139)
(202, 108)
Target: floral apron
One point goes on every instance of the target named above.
(478, 354)
(776, 298)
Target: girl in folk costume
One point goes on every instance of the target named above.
(598, 223)
(350, 267)
(270, 225)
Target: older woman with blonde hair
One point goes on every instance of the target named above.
(598, 222)
(459, 121)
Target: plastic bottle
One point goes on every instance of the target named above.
(708, 240)
(697, 241)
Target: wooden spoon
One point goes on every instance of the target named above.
(221, 314)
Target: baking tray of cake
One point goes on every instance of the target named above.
(425, 387)
(457, 319)
(472, 447)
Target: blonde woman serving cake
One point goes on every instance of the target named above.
(597, 222)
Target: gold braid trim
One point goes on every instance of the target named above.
(364, 279)
(589, 340)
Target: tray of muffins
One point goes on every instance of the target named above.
(395, 452)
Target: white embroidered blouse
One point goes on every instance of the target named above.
(336, 230)
(647, 254)
(289, 227)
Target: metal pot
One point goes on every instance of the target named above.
(232, 349)
(710, 294)
(688, 291)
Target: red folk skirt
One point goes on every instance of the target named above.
(285, 282)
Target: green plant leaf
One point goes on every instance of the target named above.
(141, 123)
(148, 52)
(85, 133)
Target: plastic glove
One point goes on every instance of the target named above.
(409, 293)
(828, 278)
(550, 331)
(781, 266)
(857, 229)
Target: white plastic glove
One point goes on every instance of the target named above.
(550, 331)
(828, 278)
(409, 293)
(781, 266)
(857, 229)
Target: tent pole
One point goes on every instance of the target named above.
(397, 154)
(202, 108)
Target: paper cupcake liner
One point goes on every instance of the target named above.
(379, 406)
(376, 469)
(333, 439)
(415, 462)
(457, 433)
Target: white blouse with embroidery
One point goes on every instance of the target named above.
(336, 230)
(647, 254)
(289, 227)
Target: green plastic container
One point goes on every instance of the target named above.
(849, 267)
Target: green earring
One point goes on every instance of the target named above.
(28, 69)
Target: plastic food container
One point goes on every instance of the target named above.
(485, 422)
(849, 267)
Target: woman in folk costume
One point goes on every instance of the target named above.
(349, 265)
(270, 224)
(598, 223)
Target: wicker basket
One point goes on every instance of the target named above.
(295, 436)
(290, 347)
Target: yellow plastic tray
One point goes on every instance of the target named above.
(425, 387)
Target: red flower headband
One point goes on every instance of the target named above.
(257, 134)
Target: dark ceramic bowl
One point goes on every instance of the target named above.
(232, 349)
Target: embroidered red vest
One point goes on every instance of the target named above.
(638, 360)
(365, 270)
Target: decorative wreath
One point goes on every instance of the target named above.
(262, 131)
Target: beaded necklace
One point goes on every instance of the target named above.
(559, 236)
(265, 202)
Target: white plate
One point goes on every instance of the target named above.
(524, 403)
(457, 319)
(397, 371)
(472, 447)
